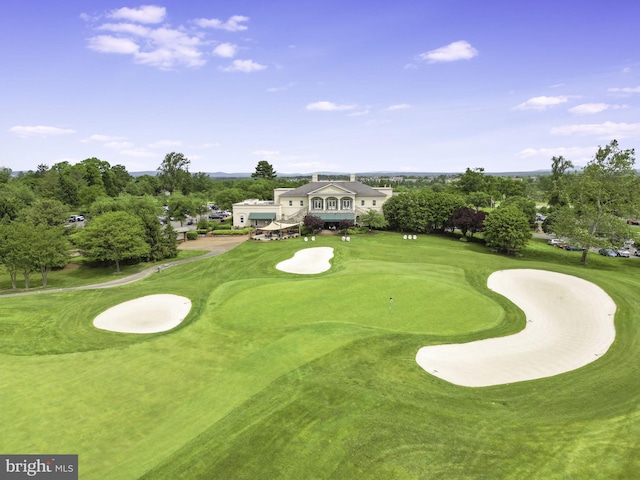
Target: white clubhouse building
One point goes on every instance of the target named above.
(330, 200)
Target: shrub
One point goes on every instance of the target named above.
(223, 226)
(244, 231)
(192, 235)
(203, 224)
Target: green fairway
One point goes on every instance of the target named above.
(276, 375)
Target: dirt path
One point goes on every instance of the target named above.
(214, 246)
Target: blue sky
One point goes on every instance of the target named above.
(347, 86)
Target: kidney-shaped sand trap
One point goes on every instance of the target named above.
(308, 261)
(569, 324)
(150, 314)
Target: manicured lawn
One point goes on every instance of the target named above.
(274, 375)
(78, 273)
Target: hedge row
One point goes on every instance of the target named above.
(244, 231)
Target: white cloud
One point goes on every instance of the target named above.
(125, 28)
(606, 130)
(591, 108)
(400, 106)
(226, 50)
(306, 165)
(166, 144)
(144, 14)
(118, 145)
(625, 90)
(206, 145)
(358, 113)
(541, 103)
(138, 152)
(460, 50)
(328, 106)
(163, 46)
(246, 66)
(280, 89)
(102, 138)
(39, 131)
(231, 25)
(109, 44)
(570, 153)
(266, 153)
(108, 141)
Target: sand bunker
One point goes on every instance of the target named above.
(308, 261)
(569, 324)
(150, 314)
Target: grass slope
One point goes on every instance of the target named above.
(274, 375)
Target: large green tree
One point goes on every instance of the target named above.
(49, 249)
(560, 167)
(507, 229)
(113, 237)
(421, 211)
(528, 207)
(264, 170)
(161, 239)
(182, 206)
(5, 175)
(599, 197)
(173, 173)
(373, 219)
(16, 252)
(45, 211)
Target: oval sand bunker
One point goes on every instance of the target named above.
(150, 314)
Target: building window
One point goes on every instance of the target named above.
(346, 204)
(374, 203)
(291, 203)
(332, 203)
(362, 203)
(241, 218)
(317, 204)
(302, 203)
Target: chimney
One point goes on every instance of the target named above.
(352, 177)
(314, 177)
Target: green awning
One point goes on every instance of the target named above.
(334, 217)
(262, 216)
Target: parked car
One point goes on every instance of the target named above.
(554, 241)
(623, 253)
(607, 252)
(79, 218)
(573, 248)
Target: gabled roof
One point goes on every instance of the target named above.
(356, 188)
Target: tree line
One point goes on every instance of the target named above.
(588, 206)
